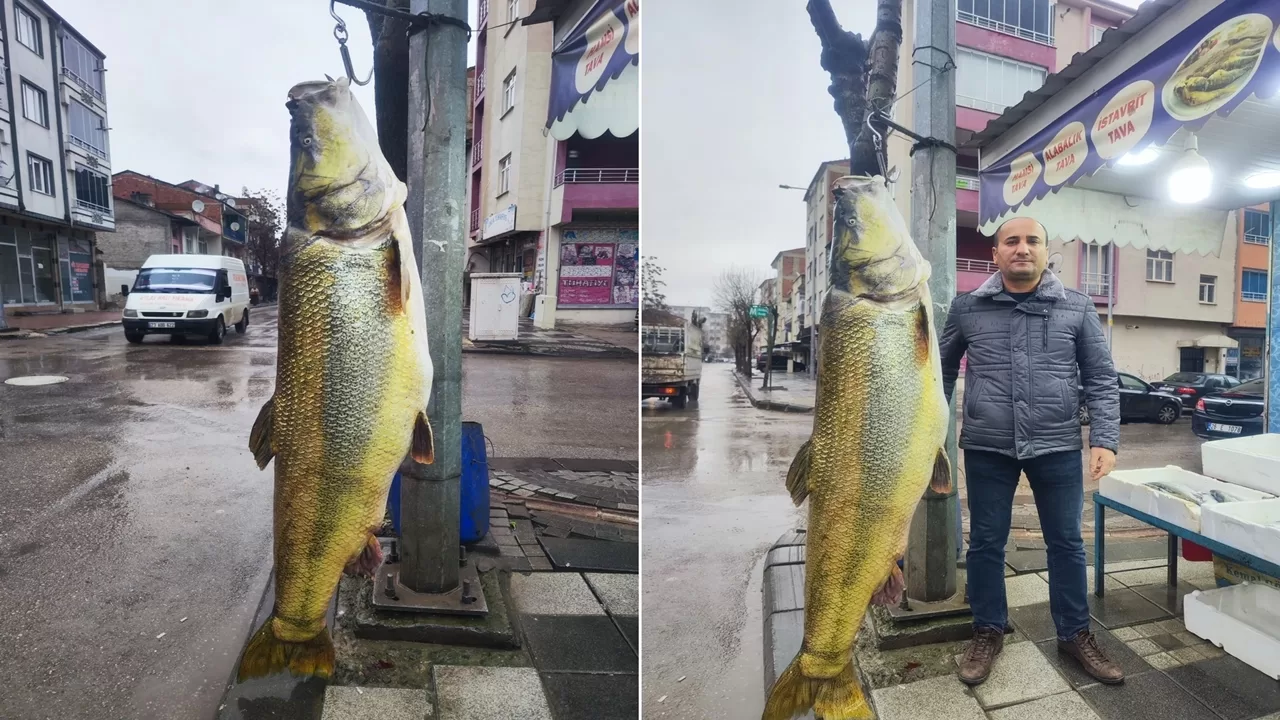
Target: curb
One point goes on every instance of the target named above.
(769, 404)
(782, 602)
(610, 354)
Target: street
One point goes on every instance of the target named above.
(713, 503)
(137, 530)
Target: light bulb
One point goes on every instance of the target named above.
(1191, 179)
(1263, 180)
(1142, 157)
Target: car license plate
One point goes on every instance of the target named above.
(160, 325)
(1219, 427)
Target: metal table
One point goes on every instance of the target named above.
(1101, 503)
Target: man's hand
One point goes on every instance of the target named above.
(1101, 462)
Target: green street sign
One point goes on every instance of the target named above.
(759, 311)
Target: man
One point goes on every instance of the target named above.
(1028, 339)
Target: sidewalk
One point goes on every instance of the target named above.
(57, 323)
(1169, 672)
(790, 392)
(564, 341)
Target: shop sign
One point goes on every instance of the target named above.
(503, 221)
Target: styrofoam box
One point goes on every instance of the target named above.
(1252, 461)
(1129, 487)
(1250, 527)
(1243, 620)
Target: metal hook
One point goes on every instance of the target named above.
(877, 141)
(340, 34)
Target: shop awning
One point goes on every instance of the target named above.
(595, 80)
(1182, 80)
(1209, 341)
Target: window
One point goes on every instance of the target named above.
(1253, 285)
(1095, 270)
(203, 246)
(509, 93)
(87, 129)
(40, 173)
(1095, 34)
(504, 175)
(991, 83)
(28, 27)
(513, 10)
(1208, 289)
(82, 65)
(35, 104)
(92, 190)
(1128, 382)
(1030, 19)
(1159, 266)
(1257, 227)
(189, 239)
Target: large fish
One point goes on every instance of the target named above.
(352, 378)
(879, 427)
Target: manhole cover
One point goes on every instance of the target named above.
(36, 380)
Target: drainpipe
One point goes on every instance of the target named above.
(13, 118)
(54, 26)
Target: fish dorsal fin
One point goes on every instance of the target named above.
(798, 475)
(260, 435)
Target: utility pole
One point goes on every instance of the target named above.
(932, 543)
(429, 494)
(773, 331)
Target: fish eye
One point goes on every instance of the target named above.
(306, 141)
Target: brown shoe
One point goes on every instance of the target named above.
(1084, 647)
(981, 654)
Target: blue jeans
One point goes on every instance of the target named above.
(1057, 481)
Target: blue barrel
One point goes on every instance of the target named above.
(474, 510)
(474, 519)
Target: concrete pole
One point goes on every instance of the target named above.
(429, 494)
(931, 547)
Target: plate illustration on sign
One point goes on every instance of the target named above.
(1218, 68)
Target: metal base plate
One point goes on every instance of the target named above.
(466, 599)
(919, 610)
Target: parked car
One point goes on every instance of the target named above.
(1140, 402)
(1233, 413)
(779, 362)
(1191, 386)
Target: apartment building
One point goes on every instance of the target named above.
(819, 207)
(554, 175)
(788, 266)
(1249, 328)
(55, 192)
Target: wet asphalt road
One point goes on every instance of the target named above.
(713, 502)
(131, 503)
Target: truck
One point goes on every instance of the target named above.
(671, 356)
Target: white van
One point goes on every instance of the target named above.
(180, 295)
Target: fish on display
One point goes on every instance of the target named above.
(353, 373)
(880, 424)
(1182, 493)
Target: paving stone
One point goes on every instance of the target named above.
(1149, 696)
(1115, 566)
(1186, 655)
(1166, 641)
(1129, 661)
(1161, 661)
(1229, 687)
(577, 643)
(1021, 673)
(940, 698)
(518, 564)
(629, 507)
(620, 592)
(1119, 608)
(1187, 638)
(1026, 590)
(1126, 634)
(1148, 629)
(512, 550)
(629, 625)
(1108, 583)
(524, 492)
(593, 696)
(1034, 621)
(783, 634)
(488, 693)
(1172, 625)
(505, 540)
(783, 588)
(553, 594)
(1149, 576)
(350, 703)
(1167, 598)
(1144, 647)
(1064, 706)
(540, 563)
(1027, 560)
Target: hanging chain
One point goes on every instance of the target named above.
(340, 34)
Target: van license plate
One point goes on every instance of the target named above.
(160, 325)
(1219, 427)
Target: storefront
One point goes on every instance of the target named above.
(44, 268)
(1247, 361)
(596, 273)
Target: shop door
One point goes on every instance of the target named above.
(1192, 360)
(45, 269)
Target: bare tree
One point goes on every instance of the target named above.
(864, 76)
(264, 212)
(651, 284)
(735, 293)
(391, 84)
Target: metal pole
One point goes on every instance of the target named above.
(1273, 317)
(768, 356)
(429, 494)
(931, 545)
(1111, 288)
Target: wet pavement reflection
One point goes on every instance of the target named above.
(713, 501)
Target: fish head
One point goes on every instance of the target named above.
(872, 254)
(339, 181)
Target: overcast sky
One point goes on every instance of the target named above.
(197, 89)
(734, 103)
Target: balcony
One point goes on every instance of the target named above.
(84, 84)
(482, 14)
(475, 219)
(970, 273)
(477, 152)
(1096, 285)
(597, 189)
(479, 84)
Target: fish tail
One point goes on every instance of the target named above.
(831, 698)
(267, 654)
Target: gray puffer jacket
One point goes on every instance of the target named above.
(1021, 397)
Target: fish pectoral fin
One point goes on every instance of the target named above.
(404, 263)
(367, 561)
(890, 591)
(798, 475)
(260, 435)
(940, 482)
(423, 447)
